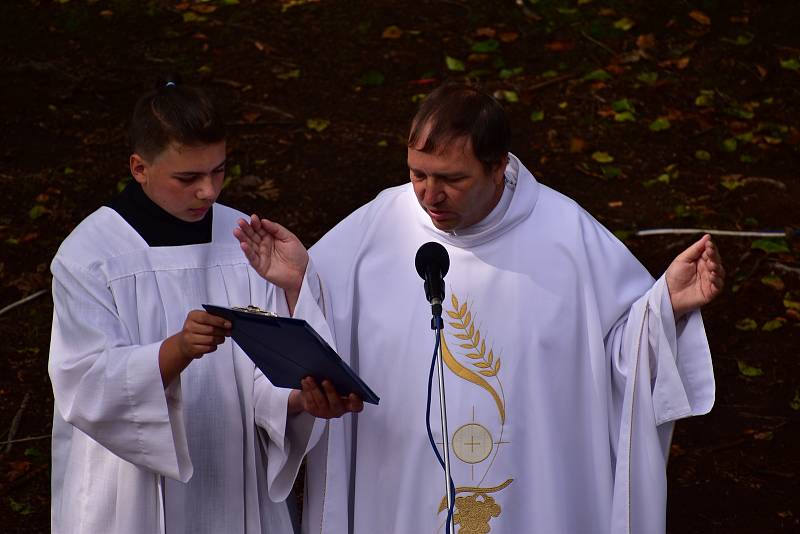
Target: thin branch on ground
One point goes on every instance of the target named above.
(600, 44)
(23, 440)
(23, 301)
(15, 423)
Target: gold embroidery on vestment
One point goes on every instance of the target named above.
(488, 365)
(473, 443)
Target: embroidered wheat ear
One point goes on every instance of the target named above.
(487, 365)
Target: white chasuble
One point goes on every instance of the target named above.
(210, 453)
(564, 370)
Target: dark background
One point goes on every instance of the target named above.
(319, 95)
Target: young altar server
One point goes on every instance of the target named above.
(161, 423)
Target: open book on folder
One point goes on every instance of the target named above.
(288, 350)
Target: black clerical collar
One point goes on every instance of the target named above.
(156, 226)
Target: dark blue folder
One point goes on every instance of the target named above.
(288, 350)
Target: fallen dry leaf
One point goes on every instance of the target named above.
(577, 145)
(204, 9)
(700, 17)
(560, 46)
(392, 32)
(508, 37)
(646, 41)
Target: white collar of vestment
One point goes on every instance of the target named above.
(515, 205)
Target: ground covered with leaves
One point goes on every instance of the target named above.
(651, 114)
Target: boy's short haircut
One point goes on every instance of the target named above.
(174, 113)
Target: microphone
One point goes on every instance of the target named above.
(432, 263)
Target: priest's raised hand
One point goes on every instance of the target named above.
(695, 277)
(275, 253)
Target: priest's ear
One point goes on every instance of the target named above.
(499, 170)
(139, 168)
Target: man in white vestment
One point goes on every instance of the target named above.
(151, 433)
(566, 364)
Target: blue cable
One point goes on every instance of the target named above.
(438, 333)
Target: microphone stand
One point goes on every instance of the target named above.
(437, 325)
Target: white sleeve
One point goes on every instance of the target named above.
(661, 372)
(107, 387)
(289, 438)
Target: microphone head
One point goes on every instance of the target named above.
(432, 258)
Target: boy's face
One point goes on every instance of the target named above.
(183, 180)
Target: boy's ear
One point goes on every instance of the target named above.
(139, 168)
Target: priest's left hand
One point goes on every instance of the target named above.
(275, 253)
(323, 402)
(695, 277)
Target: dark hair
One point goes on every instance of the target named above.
(456, 110)
(174, 113)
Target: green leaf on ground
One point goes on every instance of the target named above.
(19, 507)
(661, 179)
(746, 324)
(795, 403)
(549, 74)
(702, 155)
(191, 16)
(37, 211)
(704, 99)
(454, 64)
(748, 370)
(770, 244)
(372, 78)
(731, 181)
(661, 123)
(729, 145)
(622, 235)
(625, 116)
(510, 96)
(791, 301)
(317, 125)
(508, 73)
(292, 74)
(537, 116)
(740, 113)
(597, 75)
(647, 77)
(773, 324)
(484, 47)
(383, 143)
(774, 281)
(122, 184)
(602, 157)
(622, 105)
(791, 64)
(624, 24)
(610, 172)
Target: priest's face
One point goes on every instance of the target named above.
(452, 185)
(183, 180)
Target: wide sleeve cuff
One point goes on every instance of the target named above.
(289, 438)
(680, 356)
